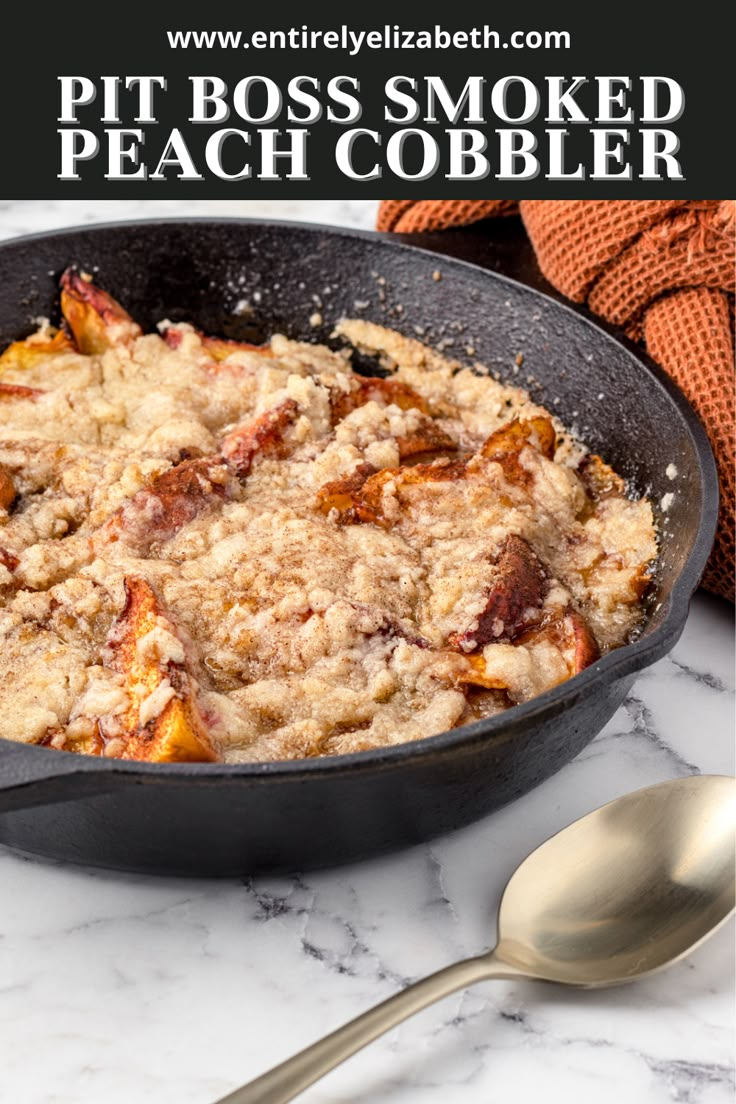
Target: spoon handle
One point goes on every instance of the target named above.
(287, 1080)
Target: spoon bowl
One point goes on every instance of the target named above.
(628, 889)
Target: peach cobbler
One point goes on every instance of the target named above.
(217, 551)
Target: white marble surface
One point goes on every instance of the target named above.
(118, 989)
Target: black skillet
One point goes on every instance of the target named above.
(222, 820)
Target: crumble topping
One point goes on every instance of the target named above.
(213, 550)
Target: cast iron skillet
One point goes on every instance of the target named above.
(223, 820)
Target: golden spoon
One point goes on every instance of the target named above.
(626, 890)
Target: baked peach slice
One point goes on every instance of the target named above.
(599, 480)
(517, 434)
(475, 674)
(428, 437)
(38, 347)
(163, 723)
(507, 443)
(220, 348)
(339, 494)
(264, 436)
(96, 320)
(217, 348)
(8, 560)
(584, 650)
(170, 501)
(368, 501)
(637, 576)
(640, 580)
(513, 601)
(357, 495)
(568, 633)
(386, 392)
(571, 635)
(7, 488)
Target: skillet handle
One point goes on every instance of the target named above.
(32, 776)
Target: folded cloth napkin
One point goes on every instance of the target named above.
(662, 270)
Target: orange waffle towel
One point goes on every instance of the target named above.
(662, 270)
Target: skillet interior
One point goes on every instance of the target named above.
(245, 280)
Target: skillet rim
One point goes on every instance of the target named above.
(617, 664)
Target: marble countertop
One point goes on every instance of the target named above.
(116, 988)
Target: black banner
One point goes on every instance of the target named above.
(455, 101)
